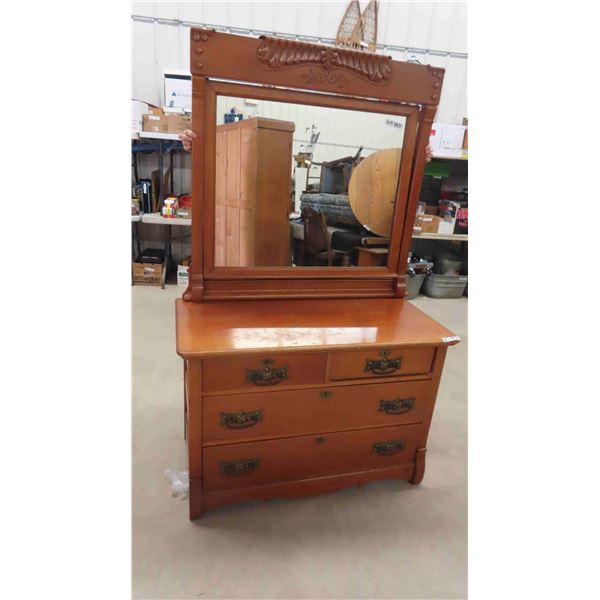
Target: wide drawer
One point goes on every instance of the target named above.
(256, 372)
(297, 412)
(387, 362)
(304, 457)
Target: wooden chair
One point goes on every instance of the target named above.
(317, 241)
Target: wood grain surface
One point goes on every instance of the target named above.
(254, 326)
(372, 190)
(314, 410)
(301, 457)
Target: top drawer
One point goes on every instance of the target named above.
(388, 362)
(255, 372)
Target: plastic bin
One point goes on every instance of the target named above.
(445, 286)
(413, 285)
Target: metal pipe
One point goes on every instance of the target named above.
(291, 36)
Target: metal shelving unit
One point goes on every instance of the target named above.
(163, 142)
(451, 237)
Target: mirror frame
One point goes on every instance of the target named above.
(283, 70)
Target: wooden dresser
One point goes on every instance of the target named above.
(252, 193)
(300, 379)
(298, 397)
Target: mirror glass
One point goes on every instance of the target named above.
(304, 186)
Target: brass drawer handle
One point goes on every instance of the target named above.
(389, 447)
(384, 365)
(239, 467)
(397, 406)
(267, 375)
(241, 420)
(325, 394)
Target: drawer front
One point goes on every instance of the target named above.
(260, 373)
(388, 362)
(258, 463)
(297, 412)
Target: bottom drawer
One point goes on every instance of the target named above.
(303, 457)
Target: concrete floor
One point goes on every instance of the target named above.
(383, 540)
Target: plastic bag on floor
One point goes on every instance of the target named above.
(180, 483)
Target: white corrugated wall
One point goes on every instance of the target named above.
(432, 32)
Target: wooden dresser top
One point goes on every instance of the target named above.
(231, 327)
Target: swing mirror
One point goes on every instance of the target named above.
(299, 185)
(306, 176)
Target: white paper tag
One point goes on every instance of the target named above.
(451, 338)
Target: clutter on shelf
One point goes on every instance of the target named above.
(184, 206)
(232, 116)
(442, 210)
(169, 207)
(148, 118)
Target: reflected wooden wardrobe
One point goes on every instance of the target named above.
(252, 193)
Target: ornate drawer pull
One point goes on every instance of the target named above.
(383, 366)
(389, 447)
(239, 467)
(397, 406)
(241, 420)
(266, 376)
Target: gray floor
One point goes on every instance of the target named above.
(384, 540)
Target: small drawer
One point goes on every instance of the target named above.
(298, 412)
(304, 457)
(386, 362)
(253, 373)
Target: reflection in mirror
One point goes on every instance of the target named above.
(299, 185)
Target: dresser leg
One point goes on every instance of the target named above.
(195, 499)
(419, 466)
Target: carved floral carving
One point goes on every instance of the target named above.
(276, 53)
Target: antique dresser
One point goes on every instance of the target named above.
(303, 380)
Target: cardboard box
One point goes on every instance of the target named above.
(155, 123)
(177, 123)
(183, 275)
(147, 273)
(427, 223)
